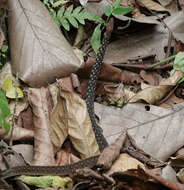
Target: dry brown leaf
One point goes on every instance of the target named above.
(18, 134)
(124, 163)
(79, 125)
(148, 125)
(39, 52)
(44, 154)
(151, 5)
(59, 119)
(153, 94)
(110, 153)
(2, 38)
(152, 78)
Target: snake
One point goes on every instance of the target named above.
(101, 141)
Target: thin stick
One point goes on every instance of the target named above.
(163, 61)
(14, 112)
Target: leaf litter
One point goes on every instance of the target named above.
(58, 116)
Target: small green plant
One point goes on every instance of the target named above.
(4, 112)
(3, 52)
(178, 64)
(109, 10)
(75, 16)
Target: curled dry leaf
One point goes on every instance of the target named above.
(70, 117)
(59, 119)
(39, 52)
(110, 153)
(152, 5)
(79, 125)
(153, 94)
(44, 154)
(123, 163)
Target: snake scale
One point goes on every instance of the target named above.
(102, 143)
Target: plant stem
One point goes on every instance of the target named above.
(163, 61)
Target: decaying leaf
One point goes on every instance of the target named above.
(151, 5)
(2, 38)
(44, 154)
(153, 94)
(70, 118)
(39, 52)
(110, 153)
(79, 125)
(168, 183)
(148, 125)
(124, 163)
(59, 119)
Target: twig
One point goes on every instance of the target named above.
(142, 67)
(170, 38)
(168, 96)
(14, 112)
(163, 61)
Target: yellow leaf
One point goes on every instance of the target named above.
(47, 181)
(7, 84)
(10, 89)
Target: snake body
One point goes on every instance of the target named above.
(101, 141)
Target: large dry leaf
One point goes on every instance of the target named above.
(155, 131)
(79, 125)
(70, 117)
(39, 52)
(149, 41)
(98, 9)
(123, 163)
(59, 119)
(43, 149)
(176, 24)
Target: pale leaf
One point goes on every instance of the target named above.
(79, 125)
(43, 149)
(39, 52)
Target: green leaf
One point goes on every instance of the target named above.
(90, 16)
(65, 24)
(68, 11)
(6, 126)
(60, 12)
(73, 21)
(121, 10)
(116, 4)
(181, 80)
(96, 38)
(4, 112)
(179, 61)
(58, 3)
(80, 19)
(76, 10)
(4, 48)
(108, 10)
